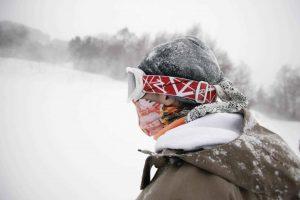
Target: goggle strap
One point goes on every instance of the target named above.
(201, 91)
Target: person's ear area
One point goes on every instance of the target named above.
(168, 100)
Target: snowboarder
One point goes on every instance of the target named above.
(208, 145)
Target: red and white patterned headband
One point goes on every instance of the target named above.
(139, 83)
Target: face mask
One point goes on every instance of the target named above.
(149, 116)
(154, 116)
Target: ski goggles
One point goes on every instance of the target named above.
(139, 84)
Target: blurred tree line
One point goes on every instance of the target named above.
(282, 98)
(111, 54)
(19, 41)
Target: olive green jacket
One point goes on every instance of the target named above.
(256, 165)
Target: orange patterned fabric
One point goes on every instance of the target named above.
(174, 124)
(149, 114)
(155, 118)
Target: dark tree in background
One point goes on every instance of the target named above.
(282, 99)
(19, 41)
(109, 54)
(286, 93)
(240, 75)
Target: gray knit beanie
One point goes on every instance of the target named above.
(190, 58)
(185, 57)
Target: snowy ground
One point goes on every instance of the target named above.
(66, 134)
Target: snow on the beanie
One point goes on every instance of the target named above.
(212, 129)
(186, 57)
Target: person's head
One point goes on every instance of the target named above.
(186, 57)
(180, 73)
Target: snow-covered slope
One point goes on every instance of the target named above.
(66, 134)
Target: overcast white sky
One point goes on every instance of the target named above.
(262, 33)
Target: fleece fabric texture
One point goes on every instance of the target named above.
(210, 130)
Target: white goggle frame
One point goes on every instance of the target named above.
(135, 83)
